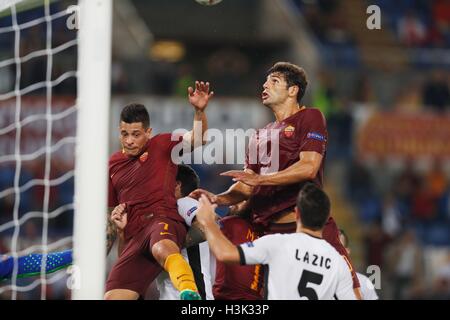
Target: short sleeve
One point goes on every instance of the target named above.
(112, 197)
(258, 251)
(314, 133)
(187, 208)
(169, 141)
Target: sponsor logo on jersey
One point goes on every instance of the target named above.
(316, 136)
(143, 157)
(249, 244)
(289, 131)
(190, 211)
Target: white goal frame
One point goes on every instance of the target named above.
(91, 161)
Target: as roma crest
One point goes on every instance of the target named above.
(289, 131)
(143, 157)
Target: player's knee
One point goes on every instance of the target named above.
(121, 294)
(164, 248)
(109, 296)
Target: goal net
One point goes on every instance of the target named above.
(54, 101)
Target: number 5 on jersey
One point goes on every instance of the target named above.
(309, 277)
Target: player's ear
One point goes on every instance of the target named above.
(297, 215)
(293, 91)
(148, 132)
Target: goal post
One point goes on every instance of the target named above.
(51, 53)
(91, 172)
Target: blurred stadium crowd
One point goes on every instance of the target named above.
(397, 215)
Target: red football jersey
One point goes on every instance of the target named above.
(146, 183)
(236, 282)
(303, 131)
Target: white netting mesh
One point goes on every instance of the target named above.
(37, 138)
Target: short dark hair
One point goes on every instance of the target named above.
(314, 206)
(344, 235)
(293, 75)
(189, 179)
(135, 112)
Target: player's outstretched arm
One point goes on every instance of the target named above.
(304, 169)
(199, 99)
(31, 264)
(221, 247)
(238, 192)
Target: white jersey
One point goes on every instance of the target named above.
(198, 257)
(368, 291)
(300, 267)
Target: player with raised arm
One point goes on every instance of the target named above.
(271, 183)
(142, 178)
(301, 265)
(232, 282)
(196, 250)
(368, 291)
